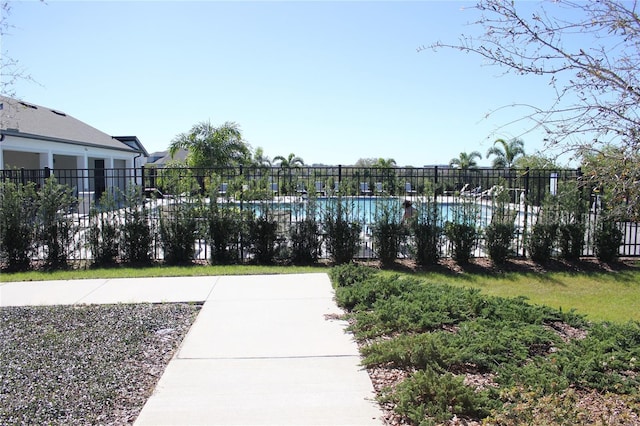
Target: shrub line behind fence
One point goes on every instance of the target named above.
(303, 214)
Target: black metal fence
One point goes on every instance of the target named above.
(291, 193)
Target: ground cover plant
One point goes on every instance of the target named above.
(438, 352)
(77, 365)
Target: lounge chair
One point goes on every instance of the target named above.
(409, 189)
(379, 189)
(364, 188)
(320, 189)
(274, 188)
(222, 191)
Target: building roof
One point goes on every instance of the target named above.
(23, 119)
(161, 158)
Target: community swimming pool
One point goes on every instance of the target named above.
(367, 210)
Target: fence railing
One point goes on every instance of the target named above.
(292, 194)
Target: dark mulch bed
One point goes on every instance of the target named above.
(73, 365)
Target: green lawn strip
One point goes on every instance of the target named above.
(612, 296)
(157, 271)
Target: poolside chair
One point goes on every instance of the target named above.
(222, 191)
(409, 189)
(300, 189)
(320, 189)
(364, 188)
(274, 188)
(379, 189)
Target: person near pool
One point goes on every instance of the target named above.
(409, 211)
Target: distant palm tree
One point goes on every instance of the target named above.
(466, 160)
(506, 153)
(259, 159)
(289, 162)
(385, 164)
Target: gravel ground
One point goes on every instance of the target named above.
(73, 365)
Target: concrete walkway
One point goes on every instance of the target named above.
(261, 351)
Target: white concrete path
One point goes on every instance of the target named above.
(261, 351)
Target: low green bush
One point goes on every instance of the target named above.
(56, 229)
(305, 241)
(540, 242)
(427, 397)
(178, 232)
(342, 232)
(262, 237)
(17, 209)
(440, 333)
(224, 230)
(136, 235)
(103, 238)
(607, 241)
(498, 237)
(571, 236)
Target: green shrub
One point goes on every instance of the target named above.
(462, 238)
(349, 274)
(136, 234)
(342, 232)
(103, 239)
(262, 237)
(305, 243)
(224, 230)
(56, 227)
(17, 209)
(178, 232)
(461, 231)
(388, 232)
(498, 237)
(426, 243)
(540, 242)
(571, 240)
(608, 239)
(427, 396)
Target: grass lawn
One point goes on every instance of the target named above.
(611, 296)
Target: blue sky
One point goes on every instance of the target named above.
(331, 82)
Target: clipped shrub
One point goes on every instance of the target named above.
(56, 229)
(608, 239)
(262, 236)
(342, 232)
(429, 395)
(224, 227)
(305, 244)
(540, 242)
(178, 232)
(498, 237)
(17, 209)
(426, 233)
(461, 231)
(388, 233)
(349, 274)
(462, 238)
(103, 238)
(136, 233)
(571, 242)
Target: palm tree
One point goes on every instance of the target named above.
(261, 160)
(506, 153)
(288, 163)
(291, 161)
(210, 146)
(385, 164)
(466, 160)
